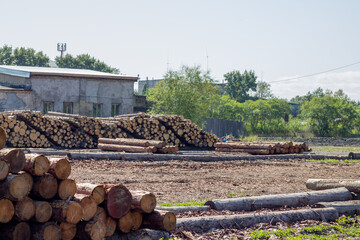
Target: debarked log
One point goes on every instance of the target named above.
(353, 185)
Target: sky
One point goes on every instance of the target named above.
(278, 39)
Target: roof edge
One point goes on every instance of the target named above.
(15, 73)
(126, 78)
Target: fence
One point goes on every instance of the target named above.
(222, 127)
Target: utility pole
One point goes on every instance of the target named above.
(61, 47)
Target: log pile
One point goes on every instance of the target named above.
(38, 200)
(132, 145)
(262, 148)
(32, 129)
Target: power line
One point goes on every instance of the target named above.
(314, 74)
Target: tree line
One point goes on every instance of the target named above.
(193, 93)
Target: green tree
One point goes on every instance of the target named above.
(84, 61)
(263, 90)
(23, 57)
(239, 84)
(319, 92)
(188, 92)
(330, 115)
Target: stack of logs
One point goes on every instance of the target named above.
(32, 129)
(39, 201)
(132, 145)
(262, 148)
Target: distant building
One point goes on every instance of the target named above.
(77, 91)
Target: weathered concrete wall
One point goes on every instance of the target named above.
(12, 80)
(17, 100)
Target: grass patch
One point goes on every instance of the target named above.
(336, 161)
(335, 149)
(235, 194)
(190, 203)
(343, 228)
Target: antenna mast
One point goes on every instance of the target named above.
(61, 47)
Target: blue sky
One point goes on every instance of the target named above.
(278, 39)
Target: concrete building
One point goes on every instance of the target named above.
(77, 91)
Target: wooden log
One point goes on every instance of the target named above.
(6, 210)
(143, 234)
(205, 224)
(110, 225)
(68, 231)
(88, 205)
(3, 137)
(14, 187)
(60, 168)
(280, 200)
(66, 211)
(347, 208)
(125, 141)
(45, 187)
(36, 164)
(97, 192)
(4, 169)
(29, 178)
(45, 231)
(100, 214)
(43, 211)
(160, 220)
(15, 157)
(24, 209)
(67, 189)
(126, 222)
(236, 145)
(248, 150)
(180, 209)
(124, 148)
(118, 200)
(94, 230)
(137, 219)
(353, 185)
(15, 231)
(145, 201)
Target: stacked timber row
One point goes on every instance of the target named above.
(32, 129)
(132, 145)
(261, 148)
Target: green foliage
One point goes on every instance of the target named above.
(330, 115)
(224, 107)
(190, 203)
(260, 234)
(188, 92)
(84, 61)
(23, 57)
(263, 90)
(239, 84)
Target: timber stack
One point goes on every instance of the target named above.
(132, 145)
(33, 129)
(262, 148)
(39, 201)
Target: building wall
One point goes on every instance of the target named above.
(81, 92)
(12, 80)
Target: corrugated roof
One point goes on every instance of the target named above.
(11, 89)
(25, 71)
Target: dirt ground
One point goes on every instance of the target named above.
(183, 181)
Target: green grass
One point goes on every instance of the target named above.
(335, 149)
(336, 161)
(343, 228)
(235, 194)
(190, 203)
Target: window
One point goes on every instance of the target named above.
(115, 109)
(48, 106)
(97, 109)
(68, 107)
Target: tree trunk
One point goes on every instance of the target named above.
(14, 187)
(15, 231)
(145, 201)
(3, 137)
(205, 224)
(60, 168)
(347, 208)
(184, 208)
(138, 217)
(67, 189)
(280, 200)
(88, 205)
(235, 145)
(45, 187)
(24, 209)
(43, 211)
(247, 150)
(15, 157)
(4, 169)
(28, 177)
(97, 192)
(125, 141)
(100, 215)
(118, 200)
(45, 231)
(36, 164)
(66, 211)
(353, 185)
(6, 210)
(124, 148)
(94, 230)
(110, 224)
(68, 231)
(160, 220)
(126, 222)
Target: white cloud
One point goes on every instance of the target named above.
(347, 81)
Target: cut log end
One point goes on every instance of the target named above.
(25, 209)
(43, 211)
(67, 189)
(60, 168)
(6, 210)
(68, 231)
